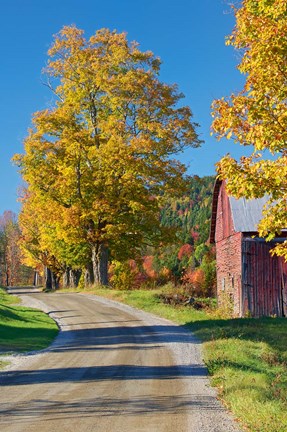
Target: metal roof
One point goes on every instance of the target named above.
(246, 214)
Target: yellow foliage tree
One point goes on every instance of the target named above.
(37, 236)
(257, 116)
(102, 156)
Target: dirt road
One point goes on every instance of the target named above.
(112, 368)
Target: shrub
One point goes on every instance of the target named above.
(122, 275)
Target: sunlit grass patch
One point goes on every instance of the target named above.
(23, 329)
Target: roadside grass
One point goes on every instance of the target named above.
(246, 358)
(23, 329)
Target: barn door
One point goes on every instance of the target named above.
(284, 294)
(283, 269)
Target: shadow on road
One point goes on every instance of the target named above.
(104, 337)
(101, 373)
(101, 406)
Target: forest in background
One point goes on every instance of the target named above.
(187, 260)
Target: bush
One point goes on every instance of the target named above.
(122, 276)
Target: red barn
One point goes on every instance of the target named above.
(247, 274)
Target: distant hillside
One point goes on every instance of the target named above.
(184, 258)
(192, 212)
(189, 259)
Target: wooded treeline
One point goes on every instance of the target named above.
(186, 260)
(190, 260)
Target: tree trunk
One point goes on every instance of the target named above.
(36, 278)
(7, 274)
(48, 279)
(55, 281)
(100, 255)
(89, 275)
(66, 278)
(75, 277)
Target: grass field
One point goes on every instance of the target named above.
(23, 329)
(246, 358)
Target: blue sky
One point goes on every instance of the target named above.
(188, 35)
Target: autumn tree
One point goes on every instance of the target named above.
(12, 270)
(40, 220)
(257, 115)
(34, 223)
(103, 153)
(9, 252)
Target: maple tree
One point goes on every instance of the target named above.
(40, 221)
(101, 157)
(35, 224)
(257, 116)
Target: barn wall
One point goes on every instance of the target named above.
(228, 266)
(264, 279)
(224, 222)
(228, 254)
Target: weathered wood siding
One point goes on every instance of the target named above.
(264, 280)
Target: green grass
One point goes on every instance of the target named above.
(23, 329)
(246, 358)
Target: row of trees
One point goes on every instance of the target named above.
(99, 163)
(12, 271)
(187, 260)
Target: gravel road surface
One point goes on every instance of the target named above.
(112, 368)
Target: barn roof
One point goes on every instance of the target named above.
(246, 214)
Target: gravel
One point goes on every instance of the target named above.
(196, 405)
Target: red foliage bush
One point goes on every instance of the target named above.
(185, 250)
(195, 235)
(194, 279)
(148, 266)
